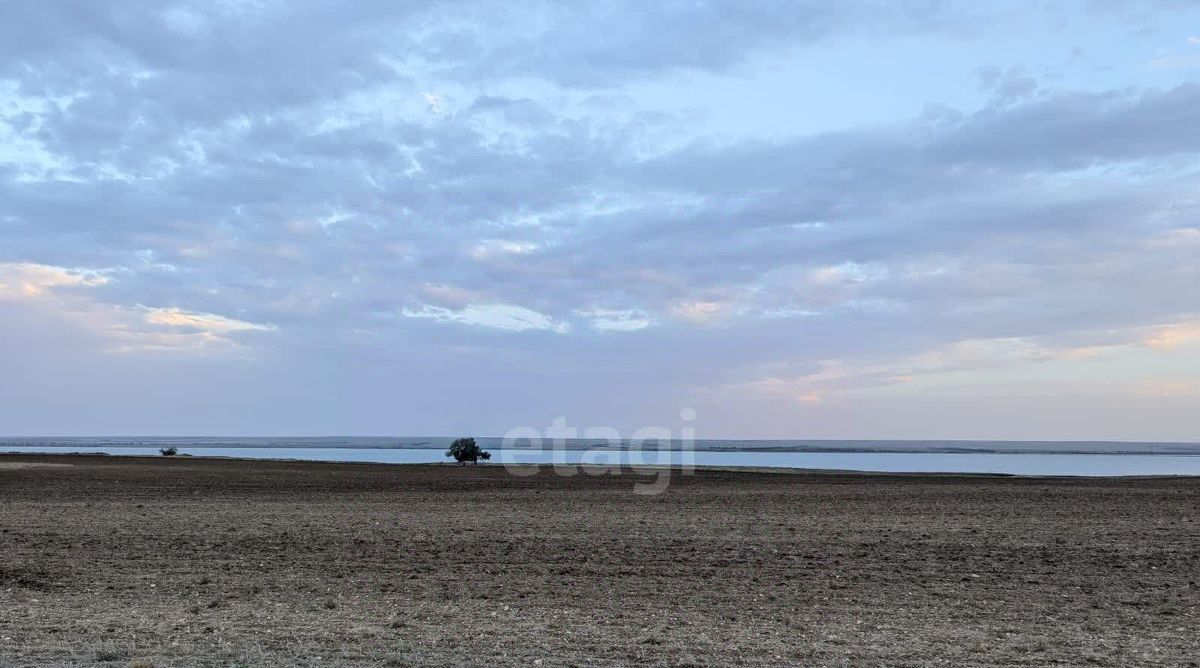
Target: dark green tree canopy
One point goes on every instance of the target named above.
(465, 450)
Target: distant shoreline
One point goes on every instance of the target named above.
(815, 446)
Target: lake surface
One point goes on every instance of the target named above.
(700, 445)
(1021, 463)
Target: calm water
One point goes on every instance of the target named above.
(705, 445)
(895, 462)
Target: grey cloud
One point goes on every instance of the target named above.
(1075, 130)
(209, 145)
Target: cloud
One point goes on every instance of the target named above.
(835, 284)
(448, 296)
(701, 312)
(27, 280)
(207, 323)
(494, 316)
(436, 102)
(1171, 389)
(1078, 365)
(175, 331)
(1007, 86)
(444, 172)
(618, 320)
(69, 296)
(1170, 337)
(1175, 62)
(1179, 237)
(490, 248)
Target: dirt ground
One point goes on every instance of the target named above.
(200, 562)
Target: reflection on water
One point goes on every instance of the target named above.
(893, 462)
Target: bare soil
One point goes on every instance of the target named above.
(141, 562)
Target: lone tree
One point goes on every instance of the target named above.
(169, 452)
(465, 450)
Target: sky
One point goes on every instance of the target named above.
(861, 219)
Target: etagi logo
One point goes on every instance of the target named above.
(649, 451)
